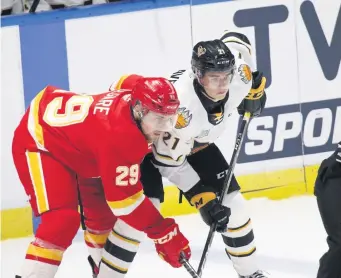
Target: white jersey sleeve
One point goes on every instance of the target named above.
(240, 45)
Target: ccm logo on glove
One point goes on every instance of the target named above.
(169, 241)
(167, 237)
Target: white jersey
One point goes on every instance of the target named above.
(195, 125)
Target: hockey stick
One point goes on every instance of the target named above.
(241, 134)
(190, 269)
(34, 6)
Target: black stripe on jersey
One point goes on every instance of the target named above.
(166, 156)
(239, 241)
(158, 163)
(237, 35)
(125, 237)
(241, 254)
(240, 227)
(119, 252)
(237, 38)
(113, 267)
(338, 152)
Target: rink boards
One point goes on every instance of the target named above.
(296, 44)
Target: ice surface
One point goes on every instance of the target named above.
(289, 234)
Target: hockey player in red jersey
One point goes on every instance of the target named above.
(221, 81)
(63, 137)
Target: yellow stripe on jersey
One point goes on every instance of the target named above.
(38, 181)
(235, 39)
(120, 82)
(128, 205)
(237, 229)
(166, 157)
(115, 267)
(95, 238)
(51, 254)
(123, 238)
(241, 254)
(34, 126)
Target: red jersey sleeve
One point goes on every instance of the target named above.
(120, 172)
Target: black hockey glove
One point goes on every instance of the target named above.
(255, 101)
(211, 211)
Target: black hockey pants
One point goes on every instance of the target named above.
(328, 194)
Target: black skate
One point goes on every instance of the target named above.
(257, 274)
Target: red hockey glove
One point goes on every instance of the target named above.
(169, 241)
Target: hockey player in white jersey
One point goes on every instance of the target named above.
(220, 82)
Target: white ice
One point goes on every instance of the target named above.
(289, 234)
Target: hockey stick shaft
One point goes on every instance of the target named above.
(190, 269)
(240, 136)
(34, 6)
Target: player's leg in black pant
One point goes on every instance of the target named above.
(211, 166)
(328, 194)
(151, 180)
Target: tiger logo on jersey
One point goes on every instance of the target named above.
(245, 73)
(184, 118)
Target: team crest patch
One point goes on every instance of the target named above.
(201, 51)
(216, 118)
(245, 73)
(184, 118)
(219, 117)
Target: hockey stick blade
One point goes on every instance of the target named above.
(241, 134)
(190, 269)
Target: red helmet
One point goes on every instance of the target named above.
(156, 94)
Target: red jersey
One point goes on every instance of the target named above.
(93, 135)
